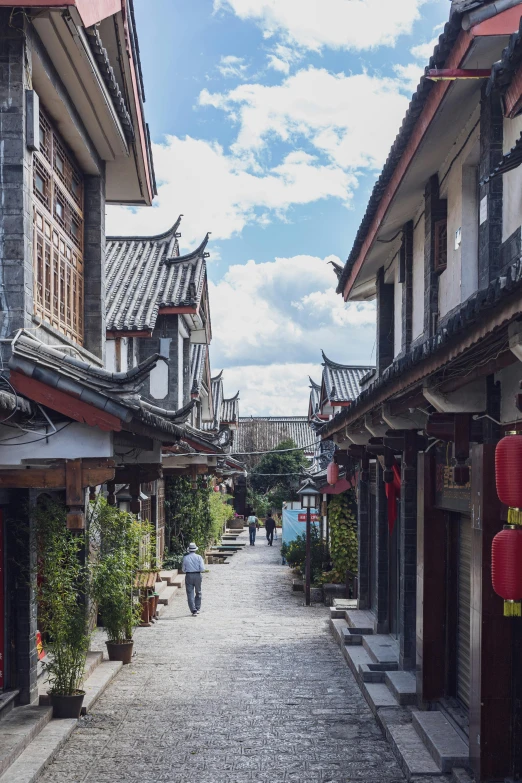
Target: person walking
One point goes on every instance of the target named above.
(193, 567)
(253, 526)
(269, 528)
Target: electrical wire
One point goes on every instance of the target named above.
(246, 453)
(468, 137)
(27, 443)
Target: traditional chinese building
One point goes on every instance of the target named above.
(439, 250)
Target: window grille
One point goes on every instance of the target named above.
(58, 234)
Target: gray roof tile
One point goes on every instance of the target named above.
(261, 433)
(146, 273)
(341, 381)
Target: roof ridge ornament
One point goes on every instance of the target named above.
(171, 232)
(199, 252)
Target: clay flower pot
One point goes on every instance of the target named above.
(120, 651)
(67, 706)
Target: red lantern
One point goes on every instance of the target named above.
(332, 473)
(508, 474)
(506, 569)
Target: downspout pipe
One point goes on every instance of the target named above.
(481, 14)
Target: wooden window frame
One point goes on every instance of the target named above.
(58, 238)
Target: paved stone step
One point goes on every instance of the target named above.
(460, 775)
(360, 620)
(337, 628)
(45, 744)
(19, 728)
(378, 695)
(159, 587)
(352, 636)
(337, 614)
(382, 649)
(411, 753)
(167, 596)
(355, 658)
(169, 576)
(179, 581)
(369, 673)
(345, 603)
(403, 685)
(94, 659)
(446, 746)
(29, 765)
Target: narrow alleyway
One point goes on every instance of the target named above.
(253, 689)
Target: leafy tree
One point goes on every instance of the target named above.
(283, 468)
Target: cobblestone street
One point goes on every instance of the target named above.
(253, 689)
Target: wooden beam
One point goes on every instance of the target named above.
(146, 473)
(54, 477)
(64, 403)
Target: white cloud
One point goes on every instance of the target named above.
(232, 66)
(424, 51)
(337, 24)
(410, 75)
(282, 57)
(220, 193)
(341, 116)
(288, 311)
(278, 390)
(287, 306)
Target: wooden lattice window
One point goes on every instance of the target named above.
(58, 234)
(440, 245)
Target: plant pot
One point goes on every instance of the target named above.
(67, 706)
(120, 651)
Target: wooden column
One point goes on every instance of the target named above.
(490, 702)
(381, 557)
(431, 583)
(363, 531)
(408, 554)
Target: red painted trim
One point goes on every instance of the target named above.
(64, 403)
(503, 24)
(178, 311)
(443, 74)
(2, 602)
(130, 333)
(195, 445)
(345, 404)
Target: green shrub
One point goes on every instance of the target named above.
(295, 553)
(117, 551)
(342, 518)
(62, 594)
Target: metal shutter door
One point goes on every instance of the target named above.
(464, 608)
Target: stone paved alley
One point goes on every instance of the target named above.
(254, 689)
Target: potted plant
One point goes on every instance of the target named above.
(62, 582)
(115, 538)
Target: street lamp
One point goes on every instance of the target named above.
(309, 496)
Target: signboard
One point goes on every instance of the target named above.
(294, 523)
(448, 495)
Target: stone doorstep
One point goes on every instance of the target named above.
(19, 728)
(159, 587)
(169, 576)
(460, 775)
(345, 603)
(378, 695)
(8, 702)
(48, 736)
(403, 685)
(179, 581)
(412, 755)
(349, 637)
(368, 674)
(336, 614)
(167, 596)
(361, 620)
(446, 746)
(337, 628)
(382, 648)
(94, 659)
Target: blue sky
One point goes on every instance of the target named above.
(270, 121)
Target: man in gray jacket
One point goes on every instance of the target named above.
(193, 567)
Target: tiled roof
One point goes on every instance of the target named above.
(341, 381)
(230, 410)
(198, 357)
(146, 273)
(261, 433)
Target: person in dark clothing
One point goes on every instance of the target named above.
(270, 527)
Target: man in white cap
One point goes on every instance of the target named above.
(193, 567)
